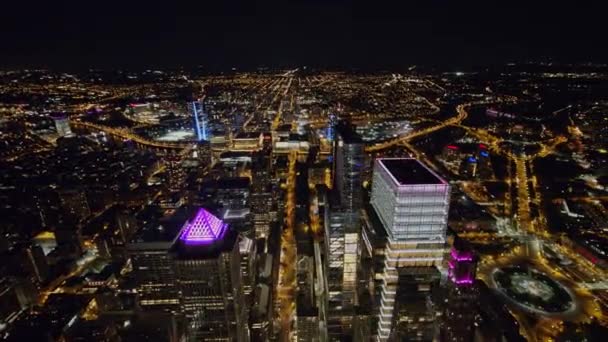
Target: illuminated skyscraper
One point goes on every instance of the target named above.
(202, 153)
(200, 117)
(414, 310)
(462, 297)
(331, 127)
(175, 172)
(349, 164)
(62, 124)
(344, 226)
(462, 265)
(207, 264)
(412, 204)
(261, 193)
(154, 268)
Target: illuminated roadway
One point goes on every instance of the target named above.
(128, 135)
(461, 115)
(286, 286)
(277, 119)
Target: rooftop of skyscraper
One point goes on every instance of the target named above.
(409, 171)
(348, 133)
(164, 229)
(204, 236)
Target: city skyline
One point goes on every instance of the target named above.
(303, 171)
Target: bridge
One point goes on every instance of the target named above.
(598, 285)
(125, 134)
(462, 114)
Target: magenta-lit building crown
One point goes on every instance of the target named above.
(462, 266)
(204, 229)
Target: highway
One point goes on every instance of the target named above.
(126, 134)
(462, 114)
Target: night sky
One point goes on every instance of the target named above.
(338, 34)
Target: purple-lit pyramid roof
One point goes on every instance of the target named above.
(205, 228)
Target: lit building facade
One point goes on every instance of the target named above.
(154, 268)
(262, 198)
(208, 270)
(62, 125)
(344, 226)
(415, 312)
(462, 297)
(176, 174)
(331, 127)
(349, 166)
(412, 203)
(308, 325)
(247, 250)
(202, 153)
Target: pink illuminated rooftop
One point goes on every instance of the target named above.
(205, 228)
(409, 171)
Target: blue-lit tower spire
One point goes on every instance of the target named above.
(197, 110)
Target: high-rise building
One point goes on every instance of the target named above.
(17, 295)
(412, 204)
(261, 194)
(247, 250)
(349, 165)
(34, 262)
(202, 154)
(460, 306)
(261, 313)
(62, 124)
(361, 331)
(261, 172)
(344, 225)
(176, 172)
(308, 324)
(414, 308)
(74, 202)
(207, 265)
(126, 225)
(153, 326)
(462, 265)
(68, 235)
(231, 195)
(331, 127)
(153, 267)
(200, 117)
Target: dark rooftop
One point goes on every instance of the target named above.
(348, 133)
(235, 154)
(248, 135)
(226, 183)
(165, 229)
(409, 171)
(284, 128)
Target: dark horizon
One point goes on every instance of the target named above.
(335, 34)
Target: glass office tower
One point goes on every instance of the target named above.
(412, 203)
(344, 228)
